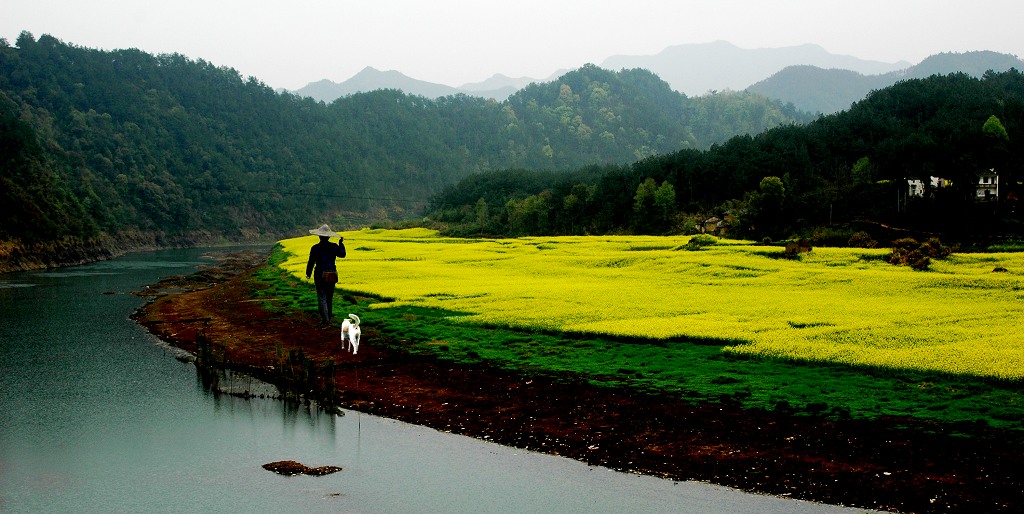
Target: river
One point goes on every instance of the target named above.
(99, 416)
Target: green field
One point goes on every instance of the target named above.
(836, 331)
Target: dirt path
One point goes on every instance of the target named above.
(880, 465)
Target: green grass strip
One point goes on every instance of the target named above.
(699, 372)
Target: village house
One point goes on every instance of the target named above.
(915, 186)
(715, 226)
(987, 187)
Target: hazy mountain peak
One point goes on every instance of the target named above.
(371, 79)
(498, 81)
(498, 86)
(695, 69)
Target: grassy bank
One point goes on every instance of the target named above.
(733, 323)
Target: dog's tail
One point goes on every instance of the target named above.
(355, 319)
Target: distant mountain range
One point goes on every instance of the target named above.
(815, 89)
(808, 76)
(498, 87)
(692, 69)
(699, 68)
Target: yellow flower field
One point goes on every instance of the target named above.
(840, 305)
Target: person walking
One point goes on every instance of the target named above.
(322, 268)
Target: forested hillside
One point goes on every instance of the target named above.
(837, 175)
(120, 149)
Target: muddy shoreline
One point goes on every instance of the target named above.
(888, 464)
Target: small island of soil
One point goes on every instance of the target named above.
(887, 464)
(292, 468)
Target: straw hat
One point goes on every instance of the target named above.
(324, 231)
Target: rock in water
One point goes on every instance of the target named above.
(292, 468)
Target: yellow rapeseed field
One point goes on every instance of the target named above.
(839, 305)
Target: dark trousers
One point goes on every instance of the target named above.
(324, 300)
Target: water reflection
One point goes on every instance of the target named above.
(241, 395)
(6, 285)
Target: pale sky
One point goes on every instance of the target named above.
(290, 43)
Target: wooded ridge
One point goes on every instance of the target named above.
(102, 144)
(105, 151)
(940, 156)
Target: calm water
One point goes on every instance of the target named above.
(96, 415)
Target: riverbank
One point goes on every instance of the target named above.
(17, 255)
(888, 464)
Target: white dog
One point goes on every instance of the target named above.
(350, 333)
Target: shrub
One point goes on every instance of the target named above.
(700, 241)
(795, 248)
(909, 252)
(935, 249)
(861, 240)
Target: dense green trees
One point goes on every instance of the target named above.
(36, 204)
(164, 148)
(839, 170)
(653, 206)
(159, 149)
(599, 116)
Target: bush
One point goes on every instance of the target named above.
(797, 247)
(861, 240)
(909, 252)
(700, 241)
(935, 249)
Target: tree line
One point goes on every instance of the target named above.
(837, 175)
(165, 149)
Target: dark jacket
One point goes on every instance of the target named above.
(321, 257)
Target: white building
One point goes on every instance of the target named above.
(916, 185)
(988, 187)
